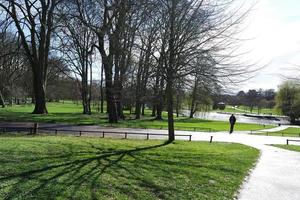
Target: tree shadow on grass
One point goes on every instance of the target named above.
(90, 171)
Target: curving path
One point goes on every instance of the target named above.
(275, 177)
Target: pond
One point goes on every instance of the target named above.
(240, 117)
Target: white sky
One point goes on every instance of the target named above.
(273, 30)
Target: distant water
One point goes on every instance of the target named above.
(261, 119)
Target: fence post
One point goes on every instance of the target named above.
(103, 134)
(125, 135)
(79, 133)
(147, 136)
(55, 131)
(211, 138)
(287, 142)
(35, 128)
(190, 138)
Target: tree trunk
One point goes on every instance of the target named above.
(153, 111)
(109, 89)
(91, 86)
(39, 96)
(110, 99)
(170, 110)
(194, 96)
(160, 97)
(101, 91)
(170, 72)
(2, 102)
(177, 105)
(143, 109)
(138, 108)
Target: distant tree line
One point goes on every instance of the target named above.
(252, 99)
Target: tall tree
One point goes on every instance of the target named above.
(33, 20)
(76, 41)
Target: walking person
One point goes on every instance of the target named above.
(232, 121)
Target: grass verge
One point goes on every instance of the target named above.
(90, 168)
(288, 147)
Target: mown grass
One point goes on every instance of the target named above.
(289, 132)
(71, 113)
(49, 167)
(288, 147)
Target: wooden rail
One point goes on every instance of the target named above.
(274, 133)
(183, 128)
(102, 133)
(289, 140)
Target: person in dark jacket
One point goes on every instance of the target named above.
(232, 121)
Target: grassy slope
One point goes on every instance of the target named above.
(288, 147)
(289, 132)
(71, 113)
(90, 168)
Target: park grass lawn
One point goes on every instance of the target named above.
(288, 147)
(56, 167)
(184, 123)
(289, 132)
(71, 113)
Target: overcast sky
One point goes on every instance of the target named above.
(273, 30)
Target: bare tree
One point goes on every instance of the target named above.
(76, 41)
(33, 19)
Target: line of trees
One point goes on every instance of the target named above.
(150, 52)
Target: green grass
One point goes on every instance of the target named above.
(288, 147)
(289, 132)
(49, 167)
(71, 113)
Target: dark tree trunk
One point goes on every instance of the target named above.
(90, 88)
(143, 109)
(153, 111)
(111, 103)
(39, 95)
(2, 103)
(138, 103)
(177, 104)
(138, 109)
(101, 92)
(170, 110)
(170, 74)
(194, 96)
(107, 62)
(160, 100)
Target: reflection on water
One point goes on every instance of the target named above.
(254, 119)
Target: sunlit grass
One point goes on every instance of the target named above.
(288, 147)
(90, 168)
(71, 113)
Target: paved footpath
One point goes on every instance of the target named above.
(275, 177)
